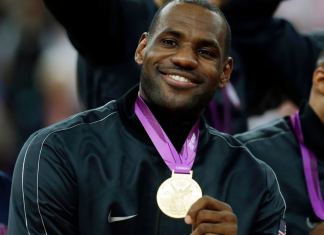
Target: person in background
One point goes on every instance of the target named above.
(288, 57)
(107, 170)
(106, 49)
(293, 147)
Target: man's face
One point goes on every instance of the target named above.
(182, 61)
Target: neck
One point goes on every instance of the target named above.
(176, 125)
(317, 106)
(310, 121)
(320, 115)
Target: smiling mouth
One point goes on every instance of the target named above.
(179, 78)
(179, 82)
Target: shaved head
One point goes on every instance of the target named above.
(202, 3)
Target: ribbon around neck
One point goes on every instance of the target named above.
(310, 169)
(178, 162)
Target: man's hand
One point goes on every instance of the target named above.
(318, 230)
(211, 216)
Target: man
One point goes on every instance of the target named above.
(290, 146)
(107, 170)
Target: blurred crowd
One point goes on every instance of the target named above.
(37, 74)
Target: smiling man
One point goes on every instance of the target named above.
(183, 59)
(140, 165)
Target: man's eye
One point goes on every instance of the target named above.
(168, 42)
(208, 53)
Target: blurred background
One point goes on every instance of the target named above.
(38, 69)
(37, 75)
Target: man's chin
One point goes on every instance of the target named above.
(184, 108)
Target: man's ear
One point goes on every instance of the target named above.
(226, 73)
(318, 79)
(140, 50)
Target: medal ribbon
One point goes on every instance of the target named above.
(310, 169)
(178, 162)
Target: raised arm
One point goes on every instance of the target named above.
(272, 52)
(102, 29)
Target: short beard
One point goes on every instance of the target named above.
(153, 96)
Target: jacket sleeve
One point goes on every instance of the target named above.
(271, 215)
(93, 26)
(101, 29)
(271, 50)
(251, 9)
(43, 197)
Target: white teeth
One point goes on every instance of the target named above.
(179, 78)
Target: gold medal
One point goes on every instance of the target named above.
(176, 195)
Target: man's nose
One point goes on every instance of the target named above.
(185, 57)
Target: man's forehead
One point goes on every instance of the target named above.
(183, 7)
(190, 17)
(190, 14)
